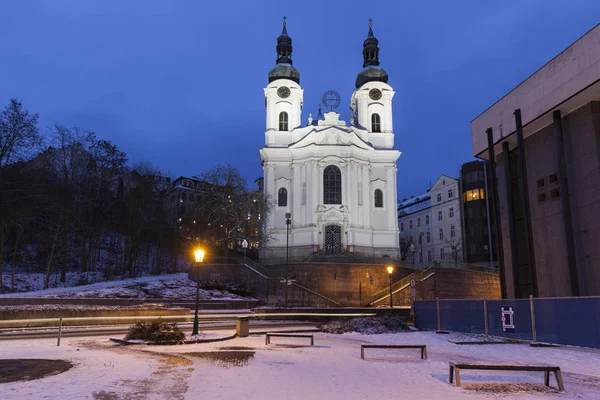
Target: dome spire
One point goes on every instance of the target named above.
(284, 68)
(284, 46)
(372, 71)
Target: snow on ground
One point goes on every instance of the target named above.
(245, 368)
(173, 286)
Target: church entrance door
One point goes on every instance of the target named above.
(333, 239)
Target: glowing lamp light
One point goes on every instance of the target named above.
(390, 269)
(199, 255)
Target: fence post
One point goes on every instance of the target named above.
(437, 306)
(59, 331)
(533, 333)
(485, 318)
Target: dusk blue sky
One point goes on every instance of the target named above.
(180, 83)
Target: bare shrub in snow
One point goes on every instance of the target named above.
(155, 331)
(367, 326)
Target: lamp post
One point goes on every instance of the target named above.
(288, 222)
(245, 246)
(199, 256)
(390, 269)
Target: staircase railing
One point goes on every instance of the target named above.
(399, 285)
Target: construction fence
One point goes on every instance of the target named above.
(571, 321)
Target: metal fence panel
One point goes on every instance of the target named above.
(522, 319)
(572, 321)
(425, 314)
(462, 316)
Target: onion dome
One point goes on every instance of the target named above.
(371, 72)
(284, 68)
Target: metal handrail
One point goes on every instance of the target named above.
(383, 293)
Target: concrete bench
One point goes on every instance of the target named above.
(394, 346)
(293, 335)
(457, 366)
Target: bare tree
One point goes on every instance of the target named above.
(18, 132)
(455, 244)
(228, 211)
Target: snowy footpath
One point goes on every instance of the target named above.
(332, 369)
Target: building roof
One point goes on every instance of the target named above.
(414, 205)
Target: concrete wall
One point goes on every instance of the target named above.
(565, 75)
(582, 151)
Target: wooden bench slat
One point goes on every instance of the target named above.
(268, 337)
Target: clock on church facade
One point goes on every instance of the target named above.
(335, 181)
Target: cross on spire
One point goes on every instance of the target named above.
(284, 31)
(371, 28)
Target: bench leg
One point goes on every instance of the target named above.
(425, 350)
(362, 352)
(457, 377)
(559, 380)
(312, 341)
(266, 340)
(451, 374)
(547, 378)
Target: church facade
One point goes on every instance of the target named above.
(333, 183)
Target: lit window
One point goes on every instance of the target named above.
(475, 194)
(283, 121)
(451, 212)
(282, 197)
(378, 198)
(440, 216)
(375, 123)
(441, 233)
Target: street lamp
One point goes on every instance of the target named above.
(245, 246)
(390, 269)
(288, 222)
(199, 256)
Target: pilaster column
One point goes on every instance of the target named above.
(390, 172)
(296, 189)
(366, 172)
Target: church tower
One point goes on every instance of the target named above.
(371, 101)
(283, 95)
(333, 185)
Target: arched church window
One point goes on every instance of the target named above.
(375, 123)
(378, 198)
(332, 185)
(282, 197)
(283, 121)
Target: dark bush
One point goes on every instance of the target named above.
(155, 331)
(368, 326)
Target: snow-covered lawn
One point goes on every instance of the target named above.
(173, 286)
(332, 369)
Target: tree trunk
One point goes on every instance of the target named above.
(1, 255)
(52, 248)
(14, 260)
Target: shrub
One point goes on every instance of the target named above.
(155, 331)
(368, 326)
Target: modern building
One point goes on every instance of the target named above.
(430, 225)
(542, 141)
(334, 182)
(477, 223)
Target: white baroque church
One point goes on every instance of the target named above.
(335, 182)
